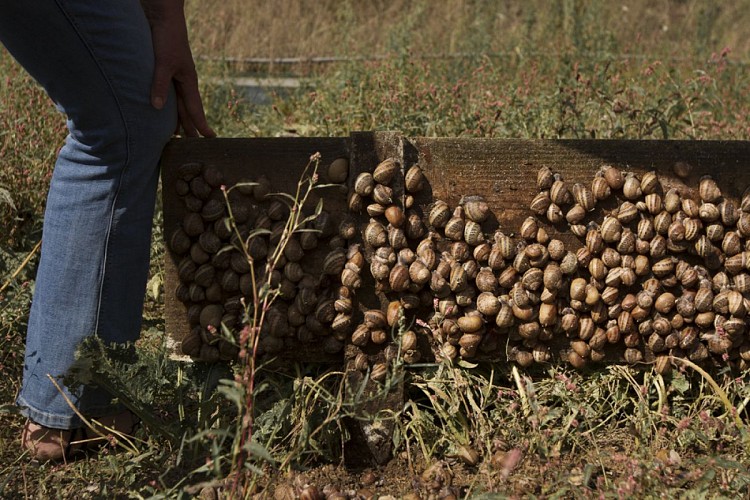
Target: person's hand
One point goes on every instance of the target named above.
(174, 64)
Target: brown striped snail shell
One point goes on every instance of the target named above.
(454, 228)
(355, 202)
(485, 280)
(650, 183)
(743, 225)
(364, 184)
(544, 178)
(708, 190)
(654, 203)
(631, 189)
(379, 372)
(473, 233)
(386, 170)
(476, 210)
(334, 262)
(633, 356)
(611, 230)
(600, 188)
(559, 193)
(399, 278)
(584, 197)
(414, 179)
(375, 234)
(439, 214)
(529, 229)
(540, 203)
(554, 214)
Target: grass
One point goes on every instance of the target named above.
(531, 70)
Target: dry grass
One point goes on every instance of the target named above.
(290, 28)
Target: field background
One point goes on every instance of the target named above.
(675, 69)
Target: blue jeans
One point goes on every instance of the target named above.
(95, 60)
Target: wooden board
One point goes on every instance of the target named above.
(504, 171)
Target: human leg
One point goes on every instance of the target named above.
(95, 60)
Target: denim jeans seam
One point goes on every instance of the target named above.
(128, 140)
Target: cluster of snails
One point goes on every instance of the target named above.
(216, 278)
(394, 222)
(662, 273)
(658, 271)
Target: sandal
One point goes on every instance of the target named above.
(45, 444)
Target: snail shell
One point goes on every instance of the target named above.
(569, 263)
(364, 184)
(559, 193)
(613, 176)
(473, 233)
(386, 170)
(488, 304)
(355, 202)
(600, 188)
(529, 229)
(419, 273)
(708, 190)
(540, 203)
(361, 363)
(335, 261)
(395, 216)
(626, 213)
(399, 278)
(611, 231)
(325, 312)
(187, 171)
(631, 189)
(476, 210)
(382, 194)
(414, 179)
(408, 341)
(396, 238)
(584, 197)
(338, 170)
(554, 214)
(575, 215)
(633, 356)
(379, 372)
(650, 183)
(576, 360)
(708, 212)
(440, 214)
(485, 280)
(375, 234)
(544, 178)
